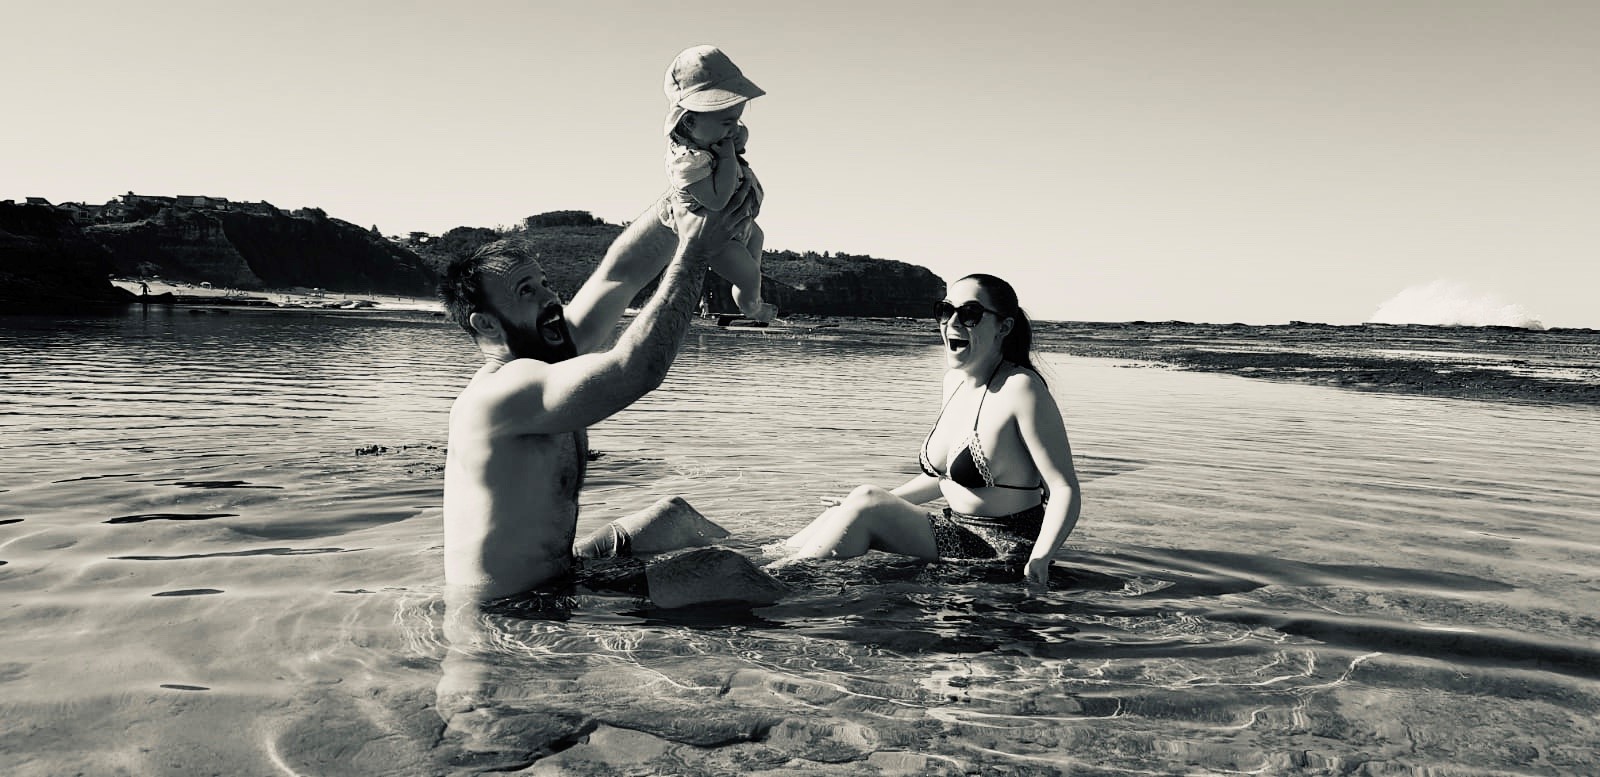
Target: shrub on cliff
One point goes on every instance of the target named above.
(562, 218)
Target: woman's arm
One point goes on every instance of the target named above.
(922, 488)
(917, 490)
(1044, 433)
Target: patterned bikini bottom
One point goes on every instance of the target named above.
(1007, 537)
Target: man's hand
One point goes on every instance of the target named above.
(708, 230)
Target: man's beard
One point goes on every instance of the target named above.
(529, 343)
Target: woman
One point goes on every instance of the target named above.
(998, 454)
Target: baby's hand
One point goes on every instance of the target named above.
(724, 148)
(741, 136)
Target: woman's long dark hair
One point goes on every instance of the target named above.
(1017, 347)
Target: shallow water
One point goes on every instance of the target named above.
(220, 542)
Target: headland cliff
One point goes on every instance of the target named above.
(61, 257)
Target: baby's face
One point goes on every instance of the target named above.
(712, 127)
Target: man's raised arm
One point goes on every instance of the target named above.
(632, 260)
(539, 398)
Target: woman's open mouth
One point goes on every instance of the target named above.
(956, 343)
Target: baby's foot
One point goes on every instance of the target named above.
(760, 311)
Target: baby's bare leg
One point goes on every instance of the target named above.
(756, 242)
(740, 264)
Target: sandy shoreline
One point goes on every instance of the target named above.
(297, 298)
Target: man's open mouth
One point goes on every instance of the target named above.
(553, 325)
(957, 343)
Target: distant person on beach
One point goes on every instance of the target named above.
(518, 444)
(998, 454)
(705, 163)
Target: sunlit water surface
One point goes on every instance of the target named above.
(221, 548)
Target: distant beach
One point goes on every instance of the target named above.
(303, 298)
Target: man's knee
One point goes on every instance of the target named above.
(669, 524)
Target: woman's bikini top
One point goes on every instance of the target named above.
(969, 466)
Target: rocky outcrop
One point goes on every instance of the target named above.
(48, 264)
(839, 285)
(310, 249)
(260, 247)
(179, 245)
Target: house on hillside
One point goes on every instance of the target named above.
(130, 205)
(81, 213)
(203, 201)
(262, 208)
(130, 199)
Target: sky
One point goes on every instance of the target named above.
(1204, 160)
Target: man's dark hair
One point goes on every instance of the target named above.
(461, 286)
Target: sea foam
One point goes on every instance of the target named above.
(1448, 303)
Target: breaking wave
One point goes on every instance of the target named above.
(1447, 303)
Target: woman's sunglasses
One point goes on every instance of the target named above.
(968, 313)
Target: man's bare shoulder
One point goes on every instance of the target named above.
(495, 384)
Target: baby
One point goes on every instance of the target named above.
(705, 161)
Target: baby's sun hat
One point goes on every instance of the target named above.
(702, 78)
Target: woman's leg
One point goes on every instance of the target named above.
(870, 518)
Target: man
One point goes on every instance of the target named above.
(518, 444)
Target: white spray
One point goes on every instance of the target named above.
(1448, 303)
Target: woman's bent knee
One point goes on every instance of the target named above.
(867, 497)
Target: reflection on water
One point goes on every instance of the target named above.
(221, 546)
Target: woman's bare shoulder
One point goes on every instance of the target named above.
(1020, 379)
